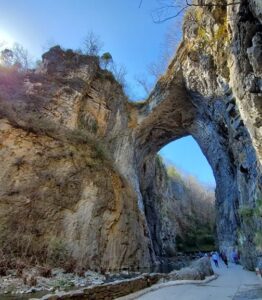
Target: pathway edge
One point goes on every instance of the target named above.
(158, 286)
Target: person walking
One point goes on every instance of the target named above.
(215, 259)
(224, 258)
(235, 256)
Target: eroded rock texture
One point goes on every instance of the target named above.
(74, 152)
(218, 60)
(59, 190)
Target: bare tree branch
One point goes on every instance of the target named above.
(92, 44)
(120, 73)
(143, 83)
(16, 56)
(212, 4)
(173, 8)
(159, 21)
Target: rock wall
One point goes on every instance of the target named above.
(62, 199)
(219, 109)
(218, 71)
(160, 199)
(74, 151)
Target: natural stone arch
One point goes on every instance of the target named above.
(199, 96)
(209, 94)
(167, 126)
(216, 125)
(193, 98)
(61, 114)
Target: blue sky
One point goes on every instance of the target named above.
(127, 32)
(187, 156)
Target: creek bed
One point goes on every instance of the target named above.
(164, 267)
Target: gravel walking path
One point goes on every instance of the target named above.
(232, 283)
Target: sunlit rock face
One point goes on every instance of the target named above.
(62, 196)
(224, 80)
(74, 151)
(219, 64)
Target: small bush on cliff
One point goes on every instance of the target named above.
(258, 210)
(250, 216)
(57, 253)
(106, 59)
(258, 235)
(258, 240)
(173, 173)
(246, 212)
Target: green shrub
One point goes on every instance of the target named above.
(246, 212)
(258, 210)
(159, 160)
(258, 236)
(106, 59)
(258, 240)
(249, 215)
(207, 239)
(173, 173)
(57, 252)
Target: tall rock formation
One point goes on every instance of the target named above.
(221, 110)
(74, 152)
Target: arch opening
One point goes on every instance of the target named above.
(188, 157)
(188, 169)
(180, 200)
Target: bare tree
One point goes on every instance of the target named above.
(167, 49)
(6, 57)
(144, 83)
(17, 56)
(120, 73)
(92, 44)
(168, 9)
(21, 56)
(154, 71)
(157, 69)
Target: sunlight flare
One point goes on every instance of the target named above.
(6, 39)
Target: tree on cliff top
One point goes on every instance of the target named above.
(92, 44)
(16, 56)
(106, 59)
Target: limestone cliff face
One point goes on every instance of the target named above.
(74, 152)
(160, 207)
(219, 64)
(221, 70)
(60, 192)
